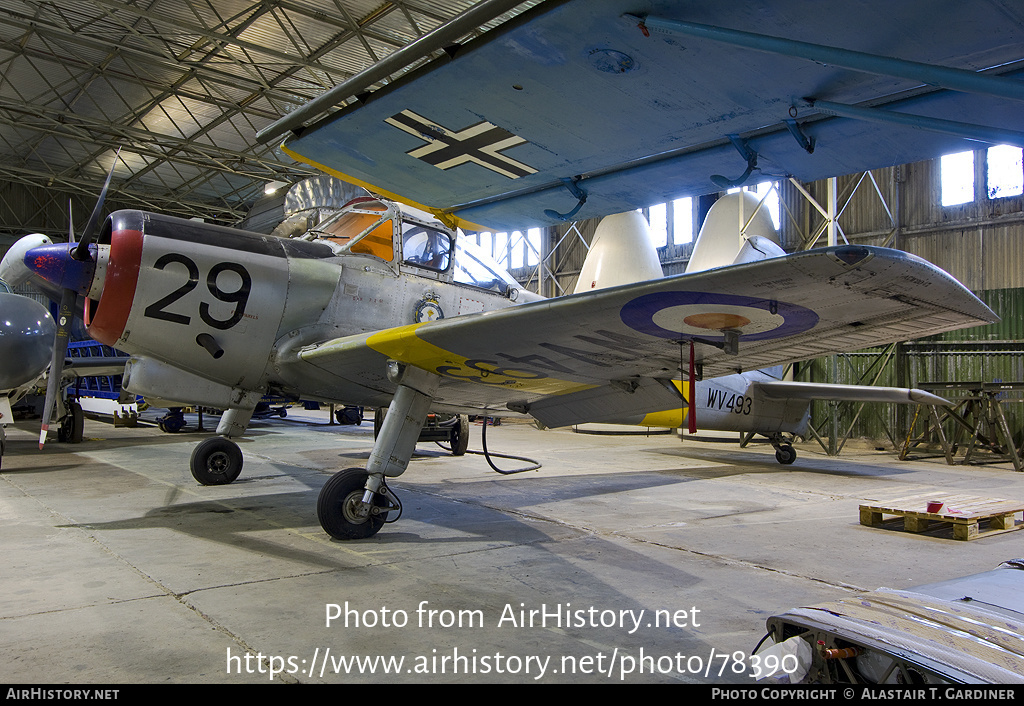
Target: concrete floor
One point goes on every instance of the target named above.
(119, 568)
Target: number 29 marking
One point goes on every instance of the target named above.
(239, 297)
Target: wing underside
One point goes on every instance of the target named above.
(612, 350)
(575, 97)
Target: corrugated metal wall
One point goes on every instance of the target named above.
(981, 243)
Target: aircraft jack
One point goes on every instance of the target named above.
(355, 503)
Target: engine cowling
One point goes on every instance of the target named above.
(206, 299)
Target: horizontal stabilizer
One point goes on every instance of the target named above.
(848, 393)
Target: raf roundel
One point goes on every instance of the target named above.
(707, 315)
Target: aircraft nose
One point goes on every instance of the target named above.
(55, 264)
(26, 340)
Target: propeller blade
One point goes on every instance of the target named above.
(65, 317)
(81, 252)
(68, 304)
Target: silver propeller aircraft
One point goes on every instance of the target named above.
(365, 309)
(571, 109)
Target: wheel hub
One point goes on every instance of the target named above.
(354, 509)
(218, 462)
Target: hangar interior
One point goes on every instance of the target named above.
(170, 95)
(182, 90)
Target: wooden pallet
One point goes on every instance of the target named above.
(962, 511)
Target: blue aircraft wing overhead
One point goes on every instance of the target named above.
(617, 101)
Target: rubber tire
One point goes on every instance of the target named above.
(785, 455)
(216, 461)
(343, 487)
(172, 424)
(460, 436)
(72, 427)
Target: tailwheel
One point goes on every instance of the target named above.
(172, 422)
(216, 461)
(785, 454)
(341, 510)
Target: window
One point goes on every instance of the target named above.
(682, 221)
(658, 220)
(533, 248)
(512, 250)
(501, 249)
(771, 202)
(425, 247)
(476, 267)
(957, 178)
(1004, 174)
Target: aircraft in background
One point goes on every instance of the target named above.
(622, 252)
(28, 337)
(26, 345)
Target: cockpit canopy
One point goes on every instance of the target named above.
(379, 228)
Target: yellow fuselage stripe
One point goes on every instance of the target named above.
(670, 417)
(404, 345)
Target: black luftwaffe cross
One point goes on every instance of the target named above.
(482, 143)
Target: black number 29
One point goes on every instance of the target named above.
(239, 297)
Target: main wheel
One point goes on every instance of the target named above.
(172, 423)
(337, 503)
(785, 454)
(72, 427)
(460, 435)
(216, 461)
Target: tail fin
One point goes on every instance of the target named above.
(724, 241)
(622, 253)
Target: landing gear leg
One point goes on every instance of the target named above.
(784, 451)
(354, 504)
(218, 460)
(72, 426)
